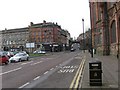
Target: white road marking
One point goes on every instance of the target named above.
(26, 63)
(51, 68)
(36, 63)
(36, 78)
(66, 66)
(67, 69)
(24, 85)
(56, 66)
(71, 70)
(46, 72)
(11, 71)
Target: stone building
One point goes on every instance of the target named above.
(105, 26)
(0, 40)
(15, 39)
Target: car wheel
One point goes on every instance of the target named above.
(27, 58)
(20, 60)
(6, 62)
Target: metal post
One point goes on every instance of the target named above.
(83, 37)
(91, 45)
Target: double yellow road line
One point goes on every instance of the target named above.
(76, 80)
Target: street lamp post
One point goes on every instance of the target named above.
(91, 44)
(83, 36)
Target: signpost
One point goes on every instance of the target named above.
(30, 46)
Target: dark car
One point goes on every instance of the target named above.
(3, 58)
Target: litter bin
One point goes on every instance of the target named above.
(95, 73)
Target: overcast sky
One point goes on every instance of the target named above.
(67, 13)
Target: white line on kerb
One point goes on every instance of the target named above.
(36, 78)
(11, 71)
(46, 72)
(24, 85)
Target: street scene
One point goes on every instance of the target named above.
(64, 49)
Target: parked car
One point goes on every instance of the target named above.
(15, 52)
(9, 54)
(3, 58)
(19, 57)
(39, 52)
(22, 52)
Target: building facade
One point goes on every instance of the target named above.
(86, 41)
(47, 34)
(0, 40)
(105, 26)
(15, 39)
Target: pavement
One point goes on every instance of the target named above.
(110, 73)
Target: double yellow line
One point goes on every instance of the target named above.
(75, 82)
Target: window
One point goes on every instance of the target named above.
(111, 4)
(113, 32)
(94, 14)
(34, 34)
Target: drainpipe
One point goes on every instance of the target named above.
(118, 32)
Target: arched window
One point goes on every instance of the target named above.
(113, 32)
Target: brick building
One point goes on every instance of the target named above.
(47, 34)
(105, 26)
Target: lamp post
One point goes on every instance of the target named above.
(91, 51)
(83, 36)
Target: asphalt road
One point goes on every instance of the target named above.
(50, 71)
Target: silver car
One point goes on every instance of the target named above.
(19, 57)
(39, 52)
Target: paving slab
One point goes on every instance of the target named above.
(109, 73)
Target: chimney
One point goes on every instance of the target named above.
(5, 28)
(31, 23)
(44, 21)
